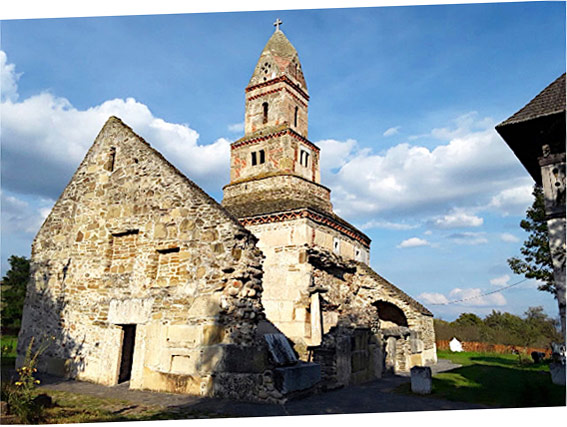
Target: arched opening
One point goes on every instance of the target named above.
(265, 117)
(390, 314)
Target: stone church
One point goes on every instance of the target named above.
(138, 275)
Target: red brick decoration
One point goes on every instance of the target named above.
(305, 213)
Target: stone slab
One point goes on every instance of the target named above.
(421, 379)
(298, 377)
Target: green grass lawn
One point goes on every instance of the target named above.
(498, 380)
(8, 345)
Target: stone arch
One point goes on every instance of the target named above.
(391, 313)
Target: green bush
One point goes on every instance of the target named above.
(21, 394)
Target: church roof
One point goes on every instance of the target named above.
(278, 58)
(541, 121)
(551, 100)
(394, 289)
(280, 46)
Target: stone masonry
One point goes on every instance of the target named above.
(318, 288)
(133, 245)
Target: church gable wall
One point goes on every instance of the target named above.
(132, 245)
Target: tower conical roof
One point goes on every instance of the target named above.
(278, 58)
(280, 46)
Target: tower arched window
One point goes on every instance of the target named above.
(265, 117)
(295, 117)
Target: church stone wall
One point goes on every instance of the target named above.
(277, 189)
(133, 242)
(282, 101)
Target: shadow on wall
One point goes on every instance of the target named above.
(43, 320)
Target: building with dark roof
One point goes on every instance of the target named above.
(536, 135)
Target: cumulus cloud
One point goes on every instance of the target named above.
(236, 127)
(500, 281)
(8, 79)
(335, 154)
(388, 225)
(47, 132)
(471, 168)
(458, 218)
(509, 238)
(413, 242)
(433, 298)
(392, 131)
(469, 297)
(469, 238)
(20, 216)
(514, 200)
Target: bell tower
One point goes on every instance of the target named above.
(274, 160)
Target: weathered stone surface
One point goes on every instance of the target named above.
(421, 382)
(557, 371)
(297, 377)
(150, 251)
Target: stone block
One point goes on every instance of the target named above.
(421, 382)
(297, 377)
(58, 366)
(184, 334)
(557, 371)
(244, 359)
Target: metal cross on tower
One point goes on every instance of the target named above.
(277, 24)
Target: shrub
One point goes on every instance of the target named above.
(21, 394)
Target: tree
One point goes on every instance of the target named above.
(14, 291)
(536, 262)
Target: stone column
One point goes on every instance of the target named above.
(553, 181)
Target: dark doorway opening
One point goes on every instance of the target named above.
(127, 357)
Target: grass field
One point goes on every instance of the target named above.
(8, 345)
(498, 380)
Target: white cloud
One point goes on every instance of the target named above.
(8, 79)
(413, 242)
(47, 132)
(507, 237)
(473, 297)
(469, 238)
(473, 168)
(236, 127)
(500, 281)
(392, 131)
(335, 154)
(470, 297)
(433, 298)
(513, 201)
(20, 216)
(388, 225)
(458, 218)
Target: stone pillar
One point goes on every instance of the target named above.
(316, 327)
(553, 182)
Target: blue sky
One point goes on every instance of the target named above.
(404, 101)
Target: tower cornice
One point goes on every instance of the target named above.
(252, 139)
(280, 79)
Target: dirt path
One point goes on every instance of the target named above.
(376, 396)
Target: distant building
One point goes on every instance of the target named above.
(536, 135)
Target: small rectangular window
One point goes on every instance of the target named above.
(336, 245)
(262, 157)
(254, 161)
(304, 158)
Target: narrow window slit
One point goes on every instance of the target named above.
(168, 250)
(265, 107)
